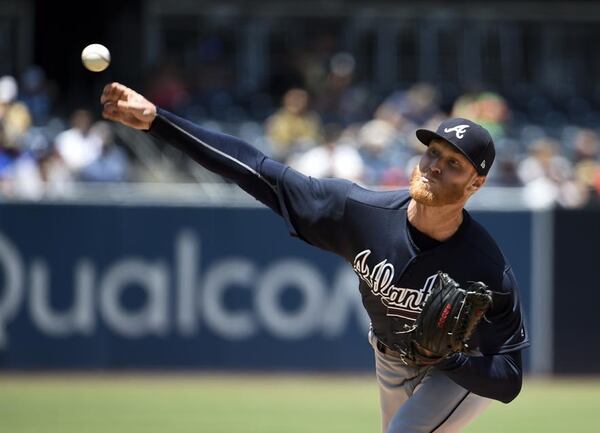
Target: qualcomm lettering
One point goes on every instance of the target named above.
(177, 296)
(400, 301)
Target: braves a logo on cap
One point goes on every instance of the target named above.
(458, 129)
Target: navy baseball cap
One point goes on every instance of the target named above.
(468, 137)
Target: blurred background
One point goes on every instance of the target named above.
(120, 256)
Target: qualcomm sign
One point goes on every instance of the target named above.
(180, 297)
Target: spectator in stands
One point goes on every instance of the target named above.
(14, 115)
(505, 172)
(293, 127)
(376, 140)
(586, 154)
(36, 94)
(334, 158)
(407, 110)
(8, 155)
(57, 177)
(112, 164)
(488, 109)
(544, 161)
(548, 177)
(78, 146)
(21, 172)
(410, 109)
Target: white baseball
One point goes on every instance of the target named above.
(95, 57)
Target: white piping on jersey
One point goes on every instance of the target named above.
(208, 146)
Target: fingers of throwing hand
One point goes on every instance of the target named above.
(125, 105)
(107, 93)
(114, 92)
(112, 109)
(109, 111)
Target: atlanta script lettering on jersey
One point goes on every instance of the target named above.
(400, 301)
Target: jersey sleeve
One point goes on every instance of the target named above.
(497, 376)
(503, 328)
(222, 154)
(313, 209)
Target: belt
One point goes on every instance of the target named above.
(386, 350)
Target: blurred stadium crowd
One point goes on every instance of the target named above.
(325, 124)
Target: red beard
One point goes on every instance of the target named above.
(434, 194)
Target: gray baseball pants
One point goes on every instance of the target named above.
(421, 400)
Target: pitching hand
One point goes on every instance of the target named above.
(126, 106)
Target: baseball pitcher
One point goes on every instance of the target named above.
(446, 324)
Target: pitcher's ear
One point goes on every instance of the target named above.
(478, 182)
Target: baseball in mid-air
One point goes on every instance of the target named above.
(95, 57)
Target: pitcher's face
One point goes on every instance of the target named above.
(444, 176)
